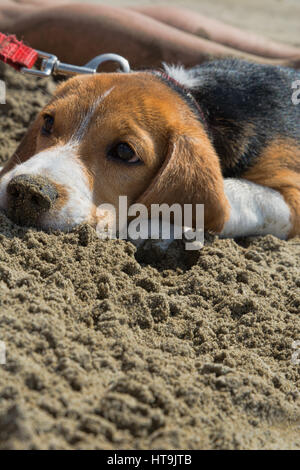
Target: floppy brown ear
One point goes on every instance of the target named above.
(25, 149)
(191, 174)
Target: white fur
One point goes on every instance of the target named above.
(79, 134)
(255, 210)
(181, 75)
(60, 164)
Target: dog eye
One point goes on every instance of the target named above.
(123, 151)
(48, 124)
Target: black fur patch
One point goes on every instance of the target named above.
(245, 106)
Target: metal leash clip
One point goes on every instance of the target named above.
(50, 65)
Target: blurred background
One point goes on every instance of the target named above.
(275, 19)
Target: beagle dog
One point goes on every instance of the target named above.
(224, 134)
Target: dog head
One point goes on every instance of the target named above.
(108, 135)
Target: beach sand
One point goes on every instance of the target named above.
(109, 348)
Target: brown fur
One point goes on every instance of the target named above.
(179, 163)
(279, 168)
(191, 174)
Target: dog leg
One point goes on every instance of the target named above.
(255, 210)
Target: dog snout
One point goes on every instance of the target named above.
(29, 196)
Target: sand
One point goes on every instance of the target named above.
(109, 348)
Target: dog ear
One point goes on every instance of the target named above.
(25, 149)
(191, 174)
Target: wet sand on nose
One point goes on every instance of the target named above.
(108, 348)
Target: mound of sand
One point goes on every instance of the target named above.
(109, 348)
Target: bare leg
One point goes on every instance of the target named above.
(214, 30)
(12, 11)
(78, 32)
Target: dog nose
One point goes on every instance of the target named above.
(28, 197)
